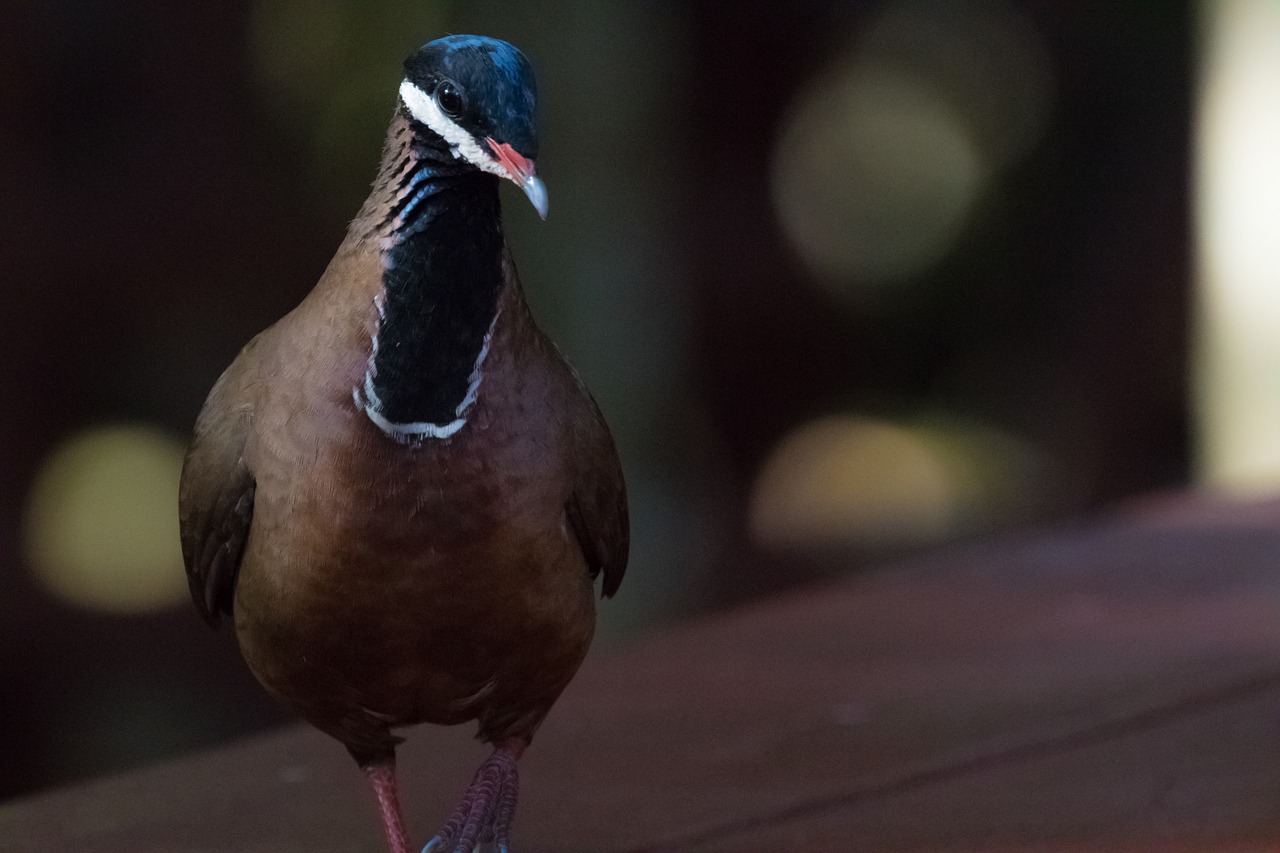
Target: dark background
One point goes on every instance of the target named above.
(175, 176)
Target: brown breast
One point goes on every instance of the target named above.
(386, 583)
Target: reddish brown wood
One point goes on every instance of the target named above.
(1112, 686)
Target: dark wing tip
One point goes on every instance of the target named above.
(617, 565)
(212, 574)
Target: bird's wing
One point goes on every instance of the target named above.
(597, 509)
(215, 499)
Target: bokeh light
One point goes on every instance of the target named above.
(849, 480)
(858, 482)
(1238, 182)
(101, 526)
(874, 179)
(887, 152)
(985, 60)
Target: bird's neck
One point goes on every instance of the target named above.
(437, 224)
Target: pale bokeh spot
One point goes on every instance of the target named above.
(887, 152)
(101, 526)
(857, 482)
(874, 178)
(1237, 356)
(851, 481)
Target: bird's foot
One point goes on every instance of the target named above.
(485, 811)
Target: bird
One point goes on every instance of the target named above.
(401, 493)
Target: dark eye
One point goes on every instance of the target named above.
(449, 99)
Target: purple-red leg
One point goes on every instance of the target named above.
(382, 775)
(486, 810)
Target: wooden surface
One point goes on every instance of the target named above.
(1113, 685)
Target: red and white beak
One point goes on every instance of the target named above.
(520, 170)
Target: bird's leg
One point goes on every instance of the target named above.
(382, 775)
(486, 809)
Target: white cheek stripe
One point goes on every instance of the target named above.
(462, 144)
(366, 398)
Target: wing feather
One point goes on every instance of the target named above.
(597, 508)
(215, 500)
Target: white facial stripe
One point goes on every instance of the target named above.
(424, 108)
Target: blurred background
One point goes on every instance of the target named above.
(848, 279)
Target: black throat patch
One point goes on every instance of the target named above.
(441, 281)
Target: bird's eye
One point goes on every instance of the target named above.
(449, 99)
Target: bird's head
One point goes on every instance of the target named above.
(478, 95)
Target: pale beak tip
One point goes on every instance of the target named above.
(537, 194)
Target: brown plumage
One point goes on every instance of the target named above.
(376, 580)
